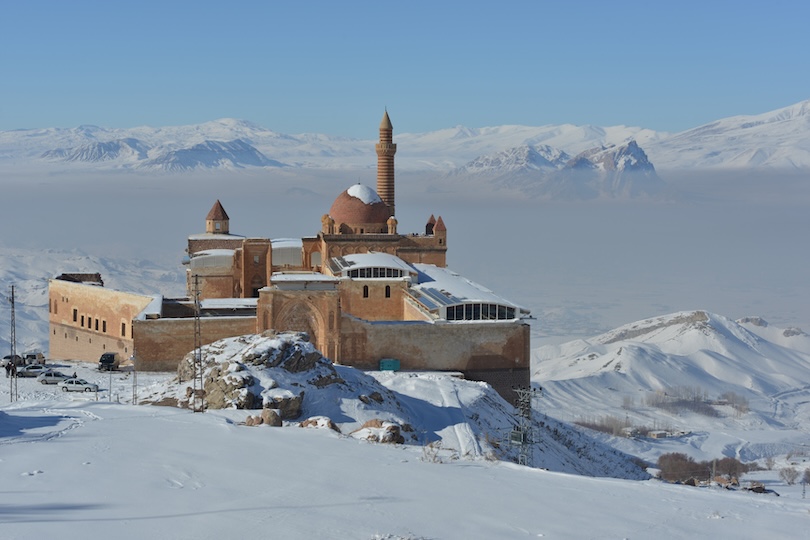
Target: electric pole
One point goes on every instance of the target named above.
(522, 434)
(198, 405)
(13, 357)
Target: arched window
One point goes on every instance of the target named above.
(365, 291)
(388, 291)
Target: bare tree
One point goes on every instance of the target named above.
(806, 477)
(769, 463)
(789, 475)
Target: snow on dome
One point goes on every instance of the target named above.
(364, 193)
(360, 205)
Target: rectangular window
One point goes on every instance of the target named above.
(123, 329)
(82, 324)
(255, 259)
(104, 326)
(75, 314)
(96, 325)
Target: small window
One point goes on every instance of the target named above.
(123, 329)
(96, 325)
(255, 259)
(82, 324)
(388, 291)
(365, 291)
(217, 225)
(75, 314)
(104, 326)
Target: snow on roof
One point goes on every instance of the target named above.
(153, 309)
(287, 243)
(211, 236)
(372, 259)
(448, 288)
(212, 257)
(214, 252)
(364, 193)
(228, 303)
(301, 276)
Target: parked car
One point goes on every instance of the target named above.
(17, 360)
(52, 377)
(77, 385)
(109, 361)
(33, 357)
(34, 370)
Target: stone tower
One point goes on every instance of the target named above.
(385, 162)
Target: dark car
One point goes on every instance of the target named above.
(18, 360)
(109, 362)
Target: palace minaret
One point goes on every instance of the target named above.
(385, 162)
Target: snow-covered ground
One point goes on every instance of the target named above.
(87, 466)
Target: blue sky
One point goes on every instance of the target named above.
(331, 67)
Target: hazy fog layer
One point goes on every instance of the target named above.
(734, 245)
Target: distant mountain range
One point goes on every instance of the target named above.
(773, 140)
(545, 172)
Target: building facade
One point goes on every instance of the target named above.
(365, 294)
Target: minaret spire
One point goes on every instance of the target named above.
(385, 162)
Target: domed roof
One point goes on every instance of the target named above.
(359, 204)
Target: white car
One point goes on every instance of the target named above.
(77, 385)
(31, 371)
(52, 377)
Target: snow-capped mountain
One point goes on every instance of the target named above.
(131, 152)
(543, 172)
(688, 372)
(774, 140)
(127, 149)
(515, 160)
(210, 155)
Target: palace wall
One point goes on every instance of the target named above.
(494, 352)
(162, 343)
(374, 306)
(86, 321)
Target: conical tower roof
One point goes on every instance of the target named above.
(217, 213)
(386, 122)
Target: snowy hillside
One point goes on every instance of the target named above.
(464, 419)
(773, 140)
(740, 389)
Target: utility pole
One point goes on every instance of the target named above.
(198, 404)
(134, 360)
(13, 342)
(522, 434)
